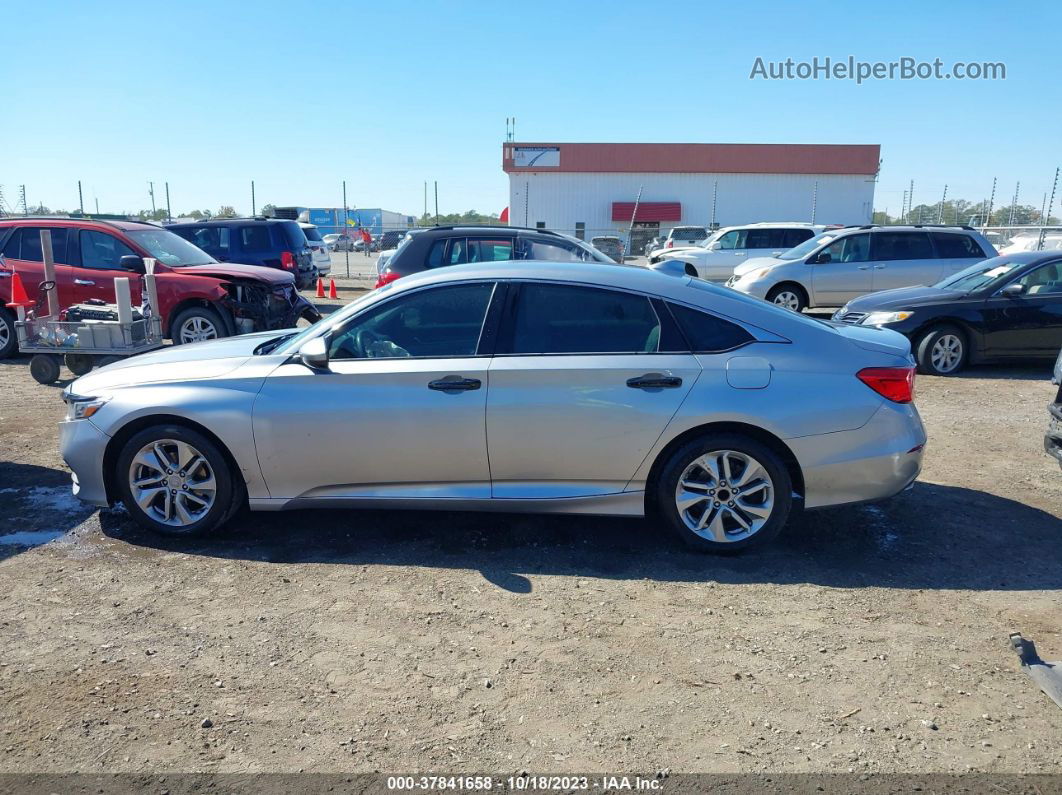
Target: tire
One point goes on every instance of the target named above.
(197, 324)
(789, 295)
(942, 351)
(732, 524)
(8, 338)
(44, 367)
(78, 363)
(153, 457)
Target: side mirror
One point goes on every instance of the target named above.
(823, 258)
(314, 353)
(714, 246)
(131, 262)
(1013, 290)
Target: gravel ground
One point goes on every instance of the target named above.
(868, 638)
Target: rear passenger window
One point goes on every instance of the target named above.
(552, 319)
(794, 237)
(490, 250)
(435, 256)
(955, 246)
(765, 238)
(901, 245)
(25, 244)
(707, 333)
(255, 238)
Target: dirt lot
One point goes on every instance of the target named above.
(869, 638)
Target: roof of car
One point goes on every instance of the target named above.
(39, 220)
(242, 220)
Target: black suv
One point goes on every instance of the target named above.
(271, 242)
(440, 246)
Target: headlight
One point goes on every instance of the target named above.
(79, 407)
(754, 275)
(884, 318)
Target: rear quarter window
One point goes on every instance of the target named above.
(955, 246)
(707, 333)
(293, 233)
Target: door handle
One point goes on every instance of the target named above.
(654, 381)
(85, 282)
(455, 384)
(879, 267)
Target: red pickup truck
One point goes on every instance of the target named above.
(199, 297)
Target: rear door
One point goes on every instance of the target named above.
(902, 259)
(955, 251)
(24, 255)
(99, 255)
(842, 270)
(583, 383)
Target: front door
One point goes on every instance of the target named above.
(98, 265)
(399, 412)
(581, 387)
(842, 271)
(1028, 325)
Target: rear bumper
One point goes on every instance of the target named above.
(82, 445)
(870, 463)
(1053, 437)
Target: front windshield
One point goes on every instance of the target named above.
(978, 275)
(169, 249)
(293, 344)
(809, 245)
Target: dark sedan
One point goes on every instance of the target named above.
(1007, 307)
(1053, 437)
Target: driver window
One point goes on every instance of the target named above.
(1043, 280)
(442, 322)
(853, 248)
(733, 240)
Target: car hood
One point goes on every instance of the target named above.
(223, 270)
(902, 298)
(754, 264)
(196, 361)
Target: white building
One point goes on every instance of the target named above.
(590, 189)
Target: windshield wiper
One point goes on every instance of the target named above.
(270, 345)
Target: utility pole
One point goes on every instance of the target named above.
(436, 202)
(80, 198)
(253, 208)
(1014, 203)
(527, 190)
(815, 202)
(97, 204)
(1046, 213)
(346, 248)
(940, 210)
(634, 216)
(910, 199)
(991, 202)
(151, 191)
(715, 197)
(22, 199)
(169, 212)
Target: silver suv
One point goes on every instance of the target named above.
(842, 264)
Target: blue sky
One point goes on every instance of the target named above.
(301, 96)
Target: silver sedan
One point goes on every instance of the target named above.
(568, 388)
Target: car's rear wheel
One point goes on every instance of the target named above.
(941, 351)
(8, 340)
(724, 493)
(176, 481)
(791, 296)
(197, 324)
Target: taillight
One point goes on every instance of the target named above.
(893, 383)
(670, 244)
(287, 260)
(387, 277)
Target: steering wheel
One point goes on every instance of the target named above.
(363, 339)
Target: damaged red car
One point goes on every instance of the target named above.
(199, 297)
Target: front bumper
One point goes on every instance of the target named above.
(1053, 437)
(755, 289)
(82, 445)
(870, 463)
(301, 308)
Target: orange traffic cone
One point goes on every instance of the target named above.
(18, 293)
(320, 287)
(332, 289)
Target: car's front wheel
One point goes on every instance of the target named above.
(941, 351)
(791, 296)
(8, 340)
(197, 324)
(176, 481)
(724, 493)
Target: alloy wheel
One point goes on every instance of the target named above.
(198, 329)
(725, 496)
(946, 353)
(172, 482)
(788, 299)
